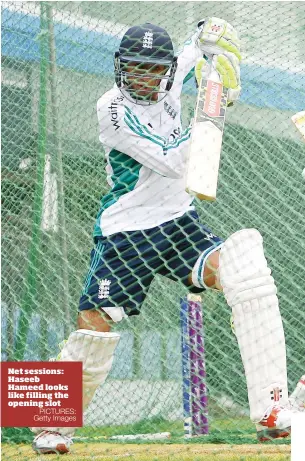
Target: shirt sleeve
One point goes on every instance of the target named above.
(187, 58)
(122, 130)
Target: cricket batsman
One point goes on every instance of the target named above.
(147, 224)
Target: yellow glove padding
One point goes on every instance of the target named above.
(230, 77)
(227, 68)
(219, 41)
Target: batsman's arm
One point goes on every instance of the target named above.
(187, 58)
(138, 140)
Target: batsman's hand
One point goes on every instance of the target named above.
(217, 36)
(219, 41)
(228, 70)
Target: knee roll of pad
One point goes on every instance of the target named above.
(243, 270)
(96, 350)
(93, 348)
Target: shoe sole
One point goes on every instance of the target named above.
(61, 449)
(266, 435)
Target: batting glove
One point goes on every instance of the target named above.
(227, 68)
(217, 36)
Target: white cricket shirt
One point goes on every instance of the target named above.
(146, 153)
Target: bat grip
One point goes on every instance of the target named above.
(213, 74)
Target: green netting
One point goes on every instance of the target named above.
(56, 63)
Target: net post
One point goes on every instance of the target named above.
(57, 164)
(29, 298)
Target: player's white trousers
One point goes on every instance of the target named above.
(251, 293)
(96, 351)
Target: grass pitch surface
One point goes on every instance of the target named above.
(228, 440)
(153, 452)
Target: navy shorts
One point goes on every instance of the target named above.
(123, 265)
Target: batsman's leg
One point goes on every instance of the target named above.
(94, 345)
(249, 288)
(251, 293)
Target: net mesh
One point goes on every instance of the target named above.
(57, 61)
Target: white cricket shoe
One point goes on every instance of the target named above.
(275, 424)
(51, 442)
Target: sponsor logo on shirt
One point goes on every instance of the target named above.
(171, 112)
(113, 111)
(174, 135)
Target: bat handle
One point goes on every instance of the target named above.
(213, 74)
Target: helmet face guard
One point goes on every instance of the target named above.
(142, 51)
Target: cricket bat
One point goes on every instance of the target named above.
(299, 121)
(206, 138)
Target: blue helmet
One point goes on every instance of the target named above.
(142, 44)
